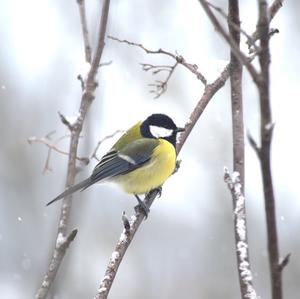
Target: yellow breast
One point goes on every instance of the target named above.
(153, 173)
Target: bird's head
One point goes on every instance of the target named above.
(160, 126)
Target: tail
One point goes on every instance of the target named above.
(80, 186)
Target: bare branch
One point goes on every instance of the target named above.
(62, 244)
(160, 86)
(242, 251)
(272, 11)
(76, 128)
(236, 27)
(236, 183)
(80, 78)
(52, 145)
(155, 68)
(266, 129)
(284, 262)
(192, 67)
(99, 48)
(274, 8)
(65, 121)
(85, 32)
(107, 63)
(236, 73)
(235, 49)
(48, 143)
(47, 166)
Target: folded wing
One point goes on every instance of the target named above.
(131, 157)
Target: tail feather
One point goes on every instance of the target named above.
(80, 186)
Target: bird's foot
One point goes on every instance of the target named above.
(142, 206)
(159, 191)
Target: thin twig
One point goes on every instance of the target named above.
(107, 63)
(81, 80)
(94, 153)
(246, 61)
(240, 228)
(155, 68)
(85, 32)
(52, 145)
(136, 220)
(253, 143)
(86, 100)
(284, 262)
(47, 166)
(236, 27)
(65, 121)
(161, 86)
(272, 11)
(192, 67)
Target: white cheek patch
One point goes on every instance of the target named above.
(160, 132)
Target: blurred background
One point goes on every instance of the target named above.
(185, 249)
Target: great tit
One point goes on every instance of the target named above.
(140, 161)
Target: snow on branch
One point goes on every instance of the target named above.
(245, 274)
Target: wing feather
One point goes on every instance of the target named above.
(131, 157)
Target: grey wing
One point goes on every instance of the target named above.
(115, 163)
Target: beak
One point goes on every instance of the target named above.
(179, 130)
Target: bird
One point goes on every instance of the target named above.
(140, 161)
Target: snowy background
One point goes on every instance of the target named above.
(186, 246)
